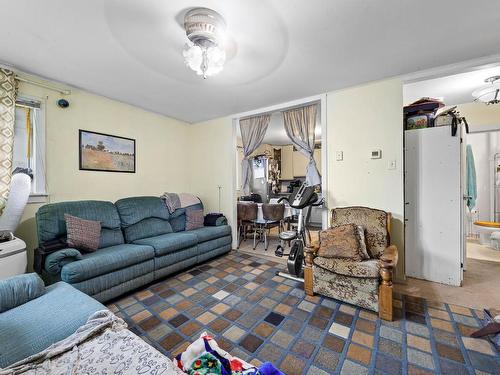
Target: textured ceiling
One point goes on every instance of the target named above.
(278, 51)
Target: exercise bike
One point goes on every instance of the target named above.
(302, 199)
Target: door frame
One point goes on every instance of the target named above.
(321, 99)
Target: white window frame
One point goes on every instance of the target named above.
(39, 192)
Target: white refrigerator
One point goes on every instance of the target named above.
(434, 204)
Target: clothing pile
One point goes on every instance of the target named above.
(173, 201)
(204, 356)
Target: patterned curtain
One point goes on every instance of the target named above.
(299, 126)
(8, 88)
(253, 130)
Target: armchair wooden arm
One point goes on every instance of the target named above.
(309, 253)
(388, 261)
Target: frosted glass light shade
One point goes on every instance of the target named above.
(205, 62)
(489, 94)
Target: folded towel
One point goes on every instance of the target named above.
(174, 201)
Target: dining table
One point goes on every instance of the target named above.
(289, 211)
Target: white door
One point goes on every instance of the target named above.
(434, 205)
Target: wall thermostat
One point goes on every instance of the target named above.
(376, 154)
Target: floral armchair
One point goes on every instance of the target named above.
(366, 283)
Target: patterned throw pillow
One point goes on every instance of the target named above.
(344, 241)
(194, 218)
(82, 234)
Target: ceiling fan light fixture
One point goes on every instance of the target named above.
(204, 53)
(489, 94)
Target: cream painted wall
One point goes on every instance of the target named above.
(360, 119)
(480, 114)
(161, 152)
(213, 164)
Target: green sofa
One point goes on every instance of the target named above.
(33, 317)
(140, 242)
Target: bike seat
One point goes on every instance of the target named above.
(288, 235)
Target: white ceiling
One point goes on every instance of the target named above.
(453, 89)
(131, 50)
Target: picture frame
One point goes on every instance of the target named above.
(102, 152)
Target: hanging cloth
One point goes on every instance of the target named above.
(253, 130)
(8, 87)
(299, 126)
(471, 187)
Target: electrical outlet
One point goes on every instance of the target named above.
(339, 155)
(392, 164)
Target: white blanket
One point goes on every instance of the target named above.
(103, 345)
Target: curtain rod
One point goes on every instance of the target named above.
(284, 109)
(40, 84)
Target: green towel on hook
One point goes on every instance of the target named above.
(471, 187)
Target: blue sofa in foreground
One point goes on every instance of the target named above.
(33, 317)
(140, 242)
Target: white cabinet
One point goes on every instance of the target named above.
(434, 205)
(300, 162)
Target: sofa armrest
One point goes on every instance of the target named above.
(388, 260)
(17, 290)
(55, 261)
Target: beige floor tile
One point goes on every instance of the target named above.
(442, 324)
(441, 314)
(206, 317)
(460, 310)
(478, 345)
(168, 313)
(140, 316)
(363, 338)
(220, 308)
(419, 343)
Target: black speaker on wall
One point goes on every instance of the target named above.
(63, 103)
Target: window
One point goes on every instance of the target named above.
(29, 142)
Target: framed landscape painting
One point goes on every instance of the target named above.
(105, 152)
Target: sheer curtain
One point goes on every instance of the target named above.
(299, 126)
(253, 130)
(8, 86)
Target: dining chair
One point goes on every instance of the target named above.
(273, 214)
(246, 216)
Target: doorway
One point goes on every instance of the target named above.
(285, 170)
(481, 239)
(480, 261)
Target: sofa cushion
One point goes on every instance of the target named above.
(178, 218)
(82, 234)
(194, 218)
(20, 289)
(51, 224)
(170, 242)
(372, 220)
(37, 324)
(364, 269)
(143, 217)
(104, 261)
(210, 233)
(345, 241)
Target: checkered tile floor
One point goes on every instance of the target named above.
(260, 317)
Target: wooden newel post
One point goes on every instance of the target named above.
(308, 271)
(385, 294)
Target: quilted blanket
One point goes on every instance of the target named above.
(103, 345)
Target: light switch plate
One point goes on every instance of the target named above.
(339, 155)
(376, 154)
